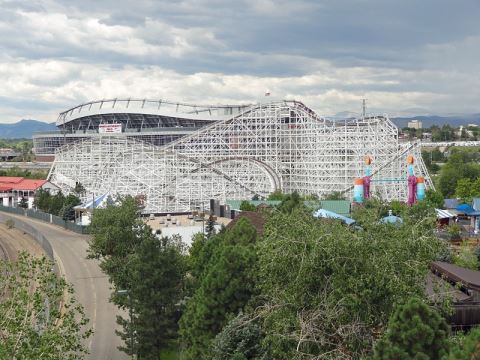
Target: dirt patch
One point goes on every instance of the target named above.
(12, 241)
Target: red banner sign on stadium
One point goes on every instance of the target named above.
(109, 128)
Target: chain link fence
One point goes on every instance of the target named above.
(52, 219)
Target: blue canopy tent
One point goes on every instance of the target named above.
(465, 209)
(322, 213)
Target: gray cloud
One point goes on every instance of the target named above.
(401, 54)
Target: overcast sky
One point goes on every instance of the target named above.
(404, 56)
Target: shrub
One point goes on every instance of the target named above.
(10, 223)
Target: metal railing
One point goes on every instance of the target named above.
(49, 218)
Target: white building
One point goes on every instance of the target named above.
(13, 189)
(415, 124)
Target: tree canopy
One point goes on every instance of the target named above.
(34, 321)
(415, 331)
(226, 282)
(330, 289)
(149, 268)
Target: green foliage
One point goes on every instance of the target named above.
(415, 331)
(247, 206)
(116, 232)
(225, 270)
(57, 204)
(327, 289)
(434, 199)
(467, 189)
(152, 270)
(468, 348)
(79, 190)
(210, 228)
(466, 257)
(336, 195)
(241, 338)
(454, 230)
(28, 174)
(23, 203)
(276, 195)
(157, 273)
(21, 146)
(42, 200)
(67, 212)
(462, 164)
(10, 223)
(290, 202)
(33, 326)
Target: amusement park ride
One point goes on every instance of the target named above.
(415, 184)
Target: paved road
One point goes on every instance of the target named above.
(90, 284)
(26, 165)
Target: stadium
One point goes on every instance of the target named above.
(155, 122)
(226, 152)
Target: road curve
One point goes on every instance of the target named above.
(92, 288)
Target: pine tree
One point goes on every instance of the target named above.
(226, 284)
(157, 272)
(23, 203)
(469, 349)
(415, 331)
(210, 230)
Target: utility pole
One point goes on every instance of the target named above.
(364, 108)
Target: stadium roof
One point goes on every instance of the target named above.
(153, 107)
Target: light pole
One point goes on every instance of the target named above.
(130, 311)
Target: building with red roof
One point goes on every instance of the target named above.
(13, 189)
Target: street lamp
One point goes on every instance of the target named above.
(130, 311)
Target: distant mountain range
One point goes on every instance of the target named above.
(430, 120)
(427, 120)
(24, 129)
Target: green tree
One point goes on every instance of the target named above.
(116, 232)
(157, 273)
(151, 270)
(341, 284)
(437, 155)
(247, 206)
(42, 200)
(467, 189)
(460, 165)
(276, 195)
(225, 285)
(415, 331)
(468, 349)
(67, 211)
(36, 321)
(241, 338)
(466, 257)
(290, 202)
(56, 203)
(336, 195)
(210, 229)
(23, 203)
(434, 199)
(79, 190)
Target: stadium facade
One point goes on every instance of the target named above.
(227, 152)
(155, 122)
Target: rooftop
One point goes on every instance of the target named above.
(9, 183)
(468, 278)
